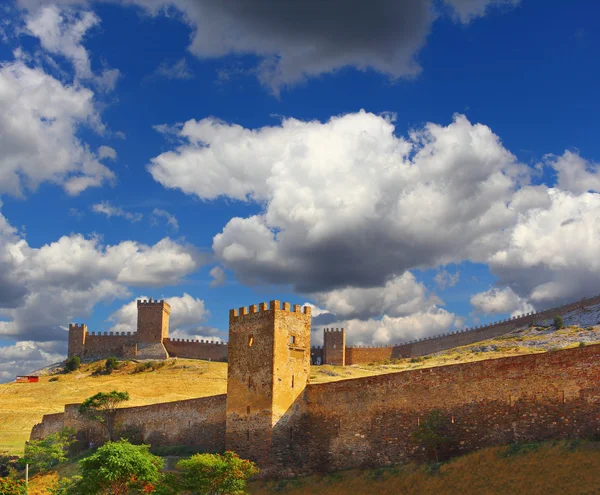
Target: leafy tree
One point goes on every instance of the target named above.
(72, 364)
(558, 322)
(48, 452)
(111, 364)
(432, 432)
(116, 468)
(102, 408)
(9, 486)
(216, 474)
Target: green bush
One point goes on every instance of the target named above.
(149, 365)
(10, 486)
(558, 322)
(115, 468)
(111, 364)
(48, 452)
(72, 364)
(215, 473)
(433, 432)
(581, 344)
(54, 379)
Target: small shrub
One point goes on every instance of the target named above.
(10, 486)
(72, 364)
(558, 322)
(215, 473)
(54, 379)
(111, 364)
(581, 344)
(48, 452)
(433, 432)
(519, 448)
(417, 360)
(139, 368)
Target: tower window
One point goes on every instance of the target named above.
(250, 340)
(292, 381)
(292, 339)
(247, 409)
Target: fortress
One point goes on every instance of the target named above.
(274, 416)
(151, 341)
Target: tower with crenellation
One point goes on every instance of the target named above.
(77, 337)
(334, 346)
(152, 321)
(268, 370)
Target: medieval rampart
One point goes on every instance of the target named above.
(429, 345)
(196, 349)
(368, 421)
(197, 422)
(99, 345)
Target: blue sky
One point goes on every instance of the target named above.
(409, 169)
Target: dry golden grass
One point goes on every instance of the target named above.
(549, 469)
(22, 405)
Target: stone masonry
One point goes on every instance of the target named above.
(331, 352)
(150, 341)
(274, 416)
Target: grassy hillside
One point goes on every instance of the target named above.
(23, 404)
(551, 468)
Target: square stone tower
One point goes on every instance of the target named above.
(77, 336)
(153, 321)
(269, 367)
(334, 346)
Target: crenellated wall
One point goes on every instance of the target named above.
(100, 345)
(429, 345)
(196, 349)
(369, 421)
(334, 346)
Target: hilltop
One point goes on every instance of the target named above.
(24, 404)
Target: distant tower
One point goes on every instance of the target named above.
(153, 321)
(77, 335)
(269, 366)
(334, 346)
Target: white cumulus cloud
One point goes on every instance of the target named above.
(39, 119)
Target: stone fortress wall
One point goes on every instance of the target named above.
(273, 415)
(334, 353)
(151, 341)
(153, 330)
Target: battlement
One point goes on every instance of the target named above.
(111, 334)
(153, 303)
(330, 330)
(382, 346)
(195, 341)
(543, 314)
(274, 305)
(78, 326)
